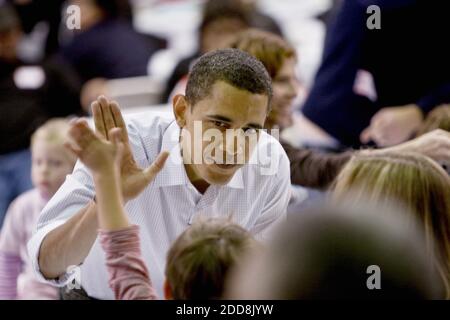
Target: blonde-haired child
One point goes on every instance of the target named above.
(51, 162)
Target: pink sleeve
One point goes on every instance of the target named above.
(12, 232)
(128, 275)
(10, 268)
(11, 237)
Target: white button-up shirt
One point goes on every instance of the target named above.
(255, 198)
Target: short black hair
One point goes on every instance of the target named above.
(233, 66)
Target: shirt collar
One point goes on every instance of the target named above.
(237, 182)
(174, 172)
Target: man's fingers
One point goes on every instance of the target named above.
(108, 119)
(103, 101)
(118, 119)
(156, 166)
(98, 119)
(115, 135)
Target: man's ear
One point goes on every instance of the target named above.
(180, 108)
(167, 291)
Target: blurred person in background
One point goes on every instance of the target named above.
(30, 95)
(51, 163)
(40, 22)
(375, 86)
(221, 20)
(107, 46)
(340, 252)
(260, 20)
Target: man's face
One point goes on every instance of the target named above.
(226, 107)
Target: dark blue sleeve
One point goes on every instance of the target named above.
(436, 97)
(332, 103)
(332, 93)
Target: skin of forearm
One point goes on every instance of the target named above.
(69, 244)
(111, 214)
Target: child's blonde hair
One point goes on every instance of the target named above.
(416, 182)
(54, 132)
(199, 260)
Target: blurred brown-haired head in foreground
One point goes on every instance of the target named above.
(340, 253)
(414, 181)
(199, 260)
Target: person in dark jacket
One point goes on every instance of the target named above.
(376, 85)
(107, 46)
(30, 95)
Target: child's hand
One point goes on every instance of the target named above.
(97, 154)
(111, 138)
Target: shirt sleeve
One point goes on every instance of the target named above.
(10, 268)
(274, 210)
(72, 196)
(128, 276)
(11, 235)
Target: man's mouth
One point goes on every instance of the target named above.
(226, 166)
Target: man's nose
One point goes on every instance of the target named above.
(234, 143)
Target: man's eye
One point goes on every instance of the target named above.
(250, 130)
(220, 124)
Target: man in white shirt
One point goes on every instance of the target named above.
(227, 89)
